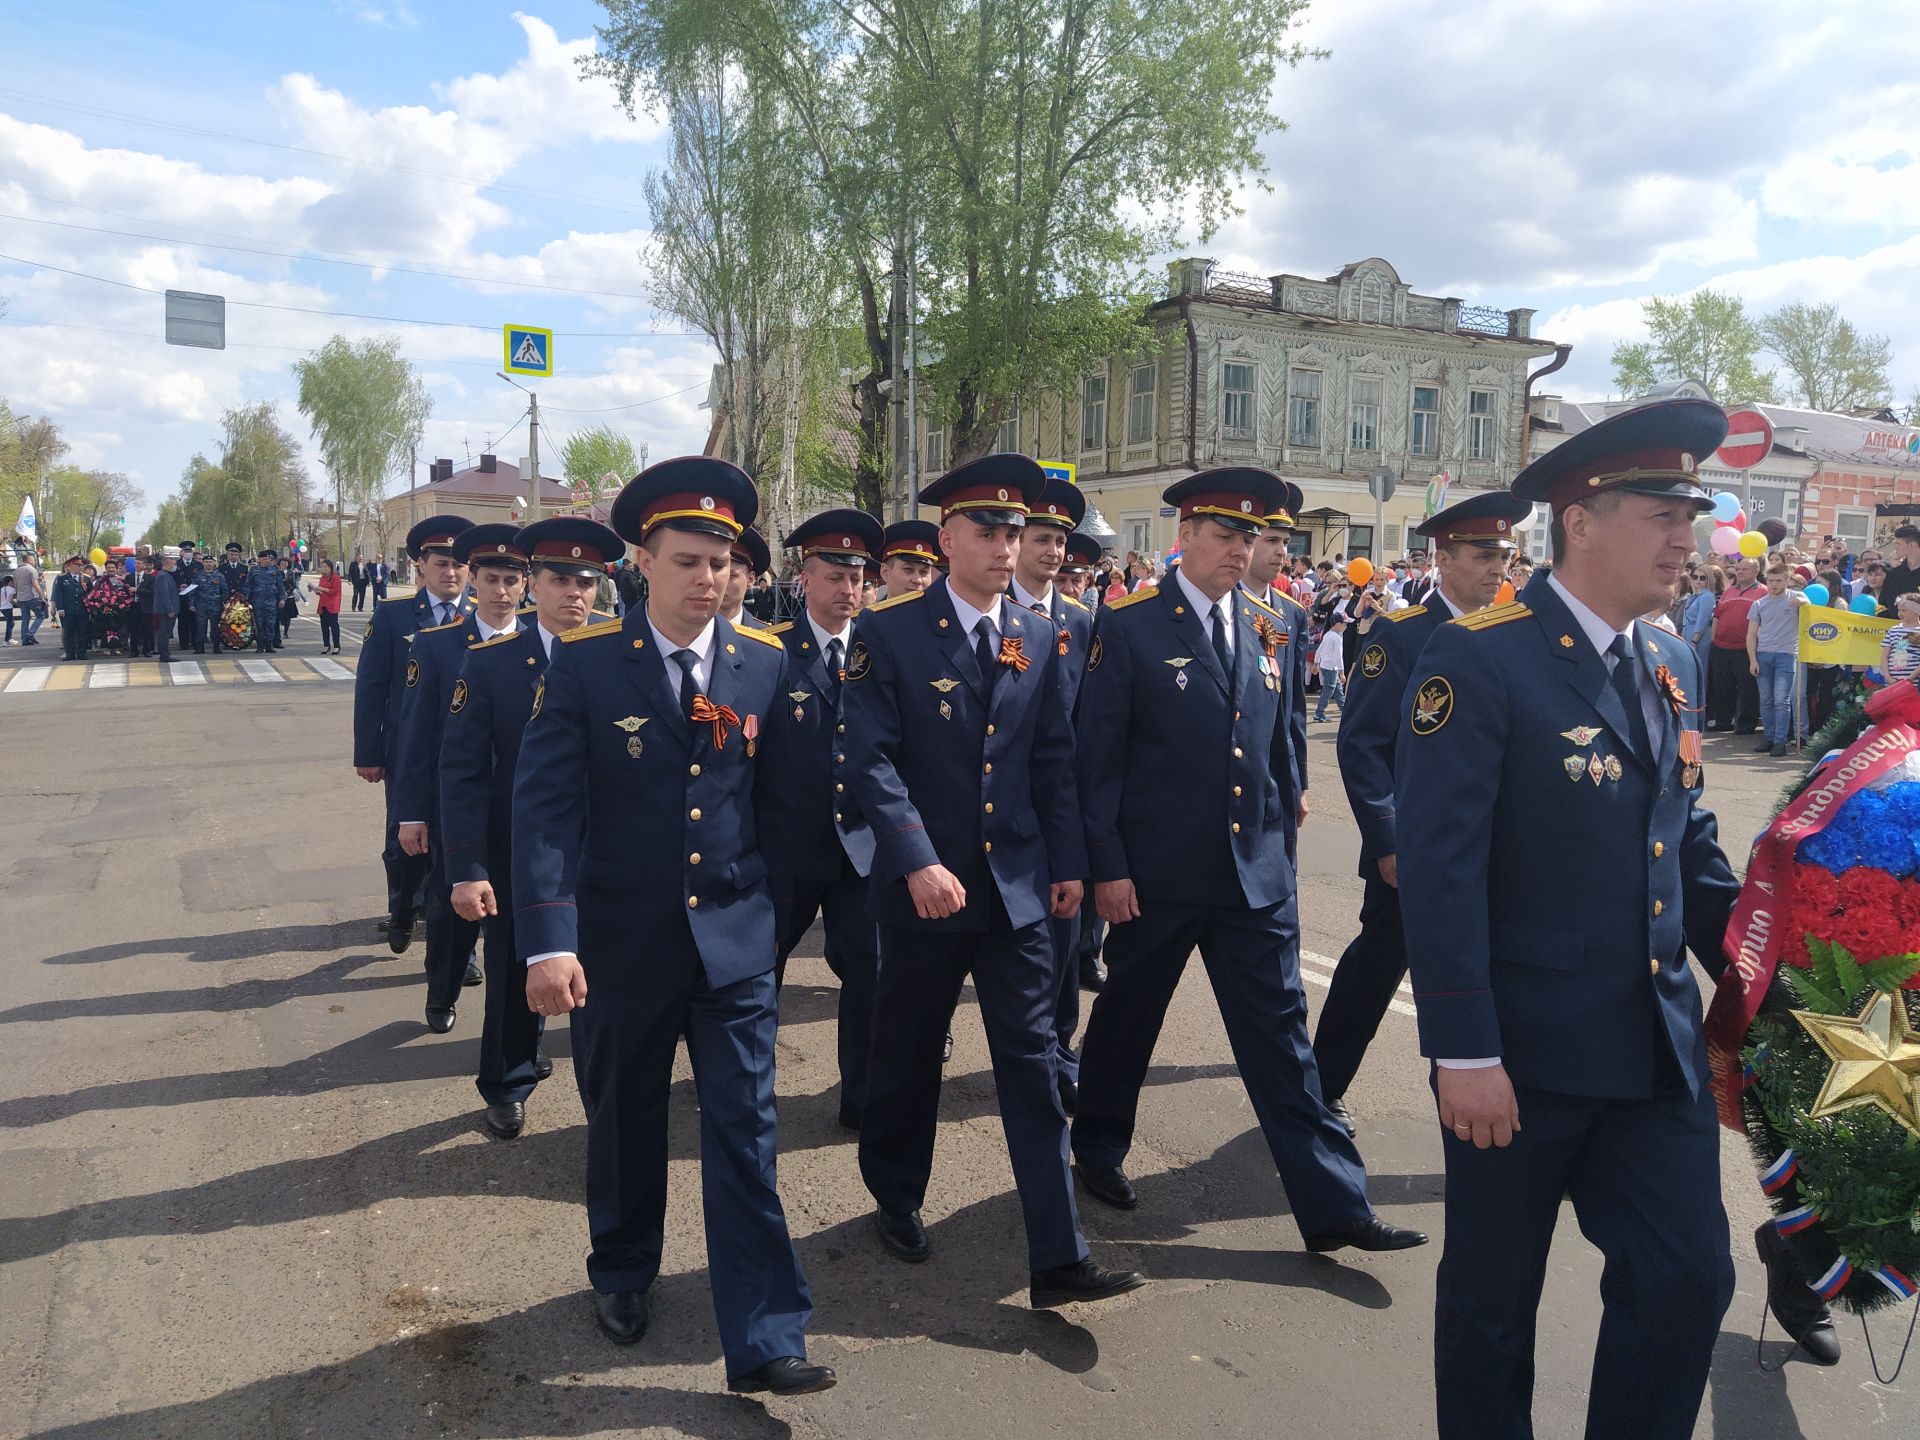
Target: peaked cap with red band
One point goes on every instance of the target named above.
(1240, 497)
(842, 537)
(1483, 520)
(992, 490)
(752, 550)
(912, 540)
(1062, 503)
(1655, 449)
(693, 492)
(572, 545)
(492, 544)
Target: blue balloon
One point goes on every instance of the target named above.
(1726, 505)
(1864, 605)
(1817, 595)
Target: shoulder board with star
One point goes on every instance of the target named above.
(450, 625)
(1261, 605)
(588, 632)
(1134, 599)
(502, 638)
(893, 600)
(782, 628)
(1073, 602)
(1287, 599)
(765, 637)
(1396, 616)
(1488, 619)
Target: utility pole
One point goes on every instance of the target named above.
(533, 452)
(896, 390)
(910, 496)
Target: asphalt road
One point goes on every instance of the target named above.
(244, 1193)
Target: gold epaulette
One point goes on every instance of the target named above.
(893, 600)
(587, 632)
(450, 625)
(1498, 615)
(1284, 595)
(501, 638)
(1255, 600)
(765, 637)
(781, 628)
(1136, 597)
(1396, 616)
(1073, 602)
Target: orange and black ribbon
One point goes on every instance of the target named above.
(1269, 633)
(719, 716)
(1010, 654)
(1675, 696)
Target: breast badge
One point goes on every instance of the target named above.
(1373, 660)
(1613, 767)
(1597, 768)
(946, 684)
(1575, 766)
(636, 747)
(946, 711)
(630, 723)
(1432, 706)
(1581, 734)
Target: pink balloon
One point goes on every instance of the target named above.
(1725, 540)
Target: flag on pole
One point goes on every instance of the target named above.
(1437, 493)
(27, 527)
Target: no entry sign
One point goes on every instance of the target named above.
(1749, 438)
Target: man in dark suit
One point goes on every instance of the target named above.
(377, 688)
(1293, 653)
(748, 561)
(819, 850)
(910, 558)
(487, 713)
(960, 756)
(1473, 541)
(497, 572)
(1185, 764)
(637, 863)
(1555, 865)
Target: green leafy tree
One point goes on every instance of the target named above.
(170, 521)
(1705, 336)
(30, 447)
(1830, 365)
(589, 457)
(82, 506)
(367, 408)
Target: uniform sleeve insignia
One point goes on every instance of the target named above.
(1407, 614)
(901, 599)
(1373, 660)
(1432, 706)
(765, 637)
(459, 697)
(1095, 655)
(859, 662)
(539, 694)
(413, 673)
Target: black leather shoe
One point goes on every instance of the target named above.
(1343, 1115)
(1801, 1313)
(383, 924)
(789, 1375)
(946, 1050)
(904, 1235)
(1372, 1233)
(542, 1066)
(505, 1122)
(1107, 1184)
(473, 975)
(439, 1020)
(1093, 975)
(399, 937)
(1069, 1096)
(849, 1118)
(1069, 1284)
(622, 1315)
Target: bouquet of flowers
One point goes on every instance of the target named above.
(236, 625)
(1814, 1033)
(110, 612)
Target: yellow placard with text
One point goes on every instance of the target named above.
(1840, 637)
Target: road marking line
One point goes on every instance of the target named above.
(33, 677)
(145, 674)
(292, 669)
(329, 670)
(188, 672)
(67, 677)
(1328, 963)
(1325, 978)
(261, 671)
(222, 672)
(107, 677)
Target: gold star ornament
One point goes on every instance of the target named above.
(1876, 1060)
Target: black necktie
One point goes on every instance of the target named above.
(1625, 681)
(689, 686)
(834, 669)
(1220, 645)
(984, 652)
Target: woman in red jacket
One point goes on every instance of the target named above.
(328, 586)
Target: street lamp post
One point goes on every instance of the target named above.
(533, 446)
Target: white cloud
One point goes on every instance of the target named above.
(544, 91)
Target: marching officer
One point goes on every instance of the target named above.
(1264, 567)
(497, 575)
(1184, 753)
(1473, 541)
(1043, 550)
(1075, 581)
(960, 755)
(819, 850)
(637, 866)
(264, 589)
(377, 691)
(212, 600)
(487, 713)
(909, 558)
(1555, 865)
(749, 559)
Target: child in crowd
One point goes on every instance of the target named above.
(1331, 658)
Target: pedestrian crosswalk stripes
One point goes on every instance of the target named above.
(201, 673)
(261, 670)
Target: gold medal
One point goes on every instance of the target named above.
(1689, 775)
(1613, 767)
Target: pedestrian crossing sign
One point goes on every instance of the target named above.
(529, 351)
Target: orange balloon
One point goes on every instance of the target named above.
(1360, 570)
(1504, 595)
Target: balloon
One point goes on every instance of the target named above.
(1360, 570)
(1864, 605)
(1774, 530)
(97, 555)
(1726, 505)
(1504, 595)
(1725, 540)
(1739, 521)
(1753, 544)
(1816, 594)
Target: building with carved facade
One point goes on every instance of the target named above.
(1324, 381)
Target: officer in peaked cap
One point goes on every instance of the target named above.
(1264, 569)
(1555, 865)
(377, 688)
(1474, 540)
(959, 753)
(749, 560)
(1076, 571)
(911, 557)
(496, 566)
(639, 869)
(233, 568)
(819, 849)
(1184, 751)
(265, 588)
(487, 712)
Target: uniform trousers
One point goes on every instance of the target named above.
(74, 633)
(921, 972)
(1364, 984)
(1644, 1178)
(853, 954)
(405, 873)
(1065, 935)
(510, 1033)
(266, 628)
(450, 937)
(1253, 961)
(644, 992)
(189, 625)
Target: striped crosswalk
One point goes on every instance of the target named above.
(201, 673)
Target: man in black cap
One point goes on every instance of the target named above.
(819, 850)
(1555, 865)
(233, 569)
(1474, 540)
(263, 590)
(1076, 571)
(746, 563)
(186, 575)
(377, 688)
(910, 557)
(960, 756)
(1265, 582)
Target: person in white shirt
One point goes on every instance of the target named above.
(1331, 658)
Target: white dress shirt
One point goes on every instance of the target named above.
(1044, 603)
(821, 637)
(1203, 606)
(702, 648)
(546, 637)
(970, 617)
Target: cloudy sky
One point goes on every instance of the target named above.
(440, 168)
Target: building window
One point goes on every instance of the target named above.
(1139, 536)
(1140, 405)
(1093, 413)
(1006, 440)
(1855, 527)
(1424, 438)
(1479, 424)
(1303, 409)
(936, 448)
(1236, 400)
(1359, 541)
(1366, 413)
